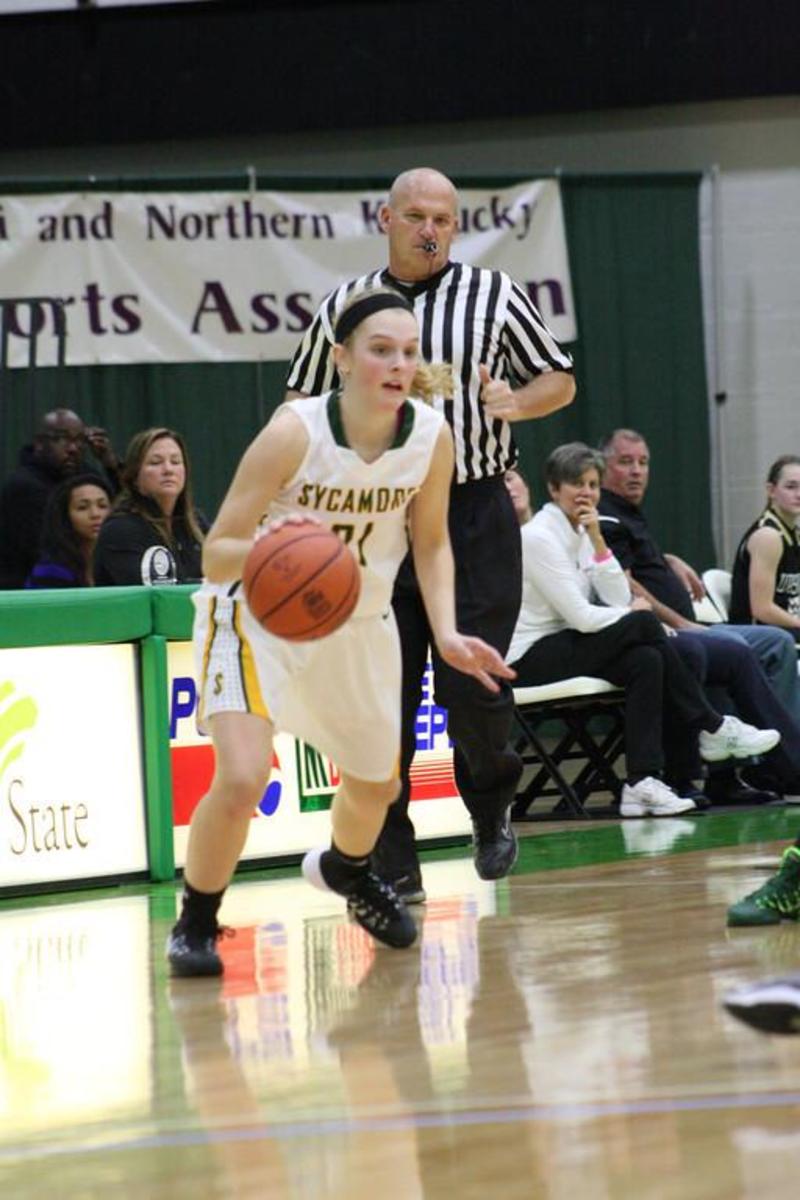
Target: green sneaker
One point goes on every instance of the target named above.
(776, 900)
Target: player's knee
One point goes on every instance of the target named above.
(242, 787)
(382, 793)
(393, 789)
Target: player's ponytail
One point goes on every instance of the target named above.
(432, 379)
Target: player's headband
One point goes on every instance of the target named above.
(361, 309)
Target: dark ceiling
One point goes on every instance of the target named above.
(228, 67)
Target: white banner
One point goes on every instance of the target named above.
(234, 276)
(71, 788)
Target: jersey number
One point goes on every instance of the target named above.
(348, 534)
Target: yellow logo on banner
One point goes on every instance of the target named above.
(17, 716)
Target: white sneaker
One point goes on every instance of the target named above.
(734, 739)
(651, 797)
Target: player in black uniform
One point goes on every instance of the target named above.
(766, 570)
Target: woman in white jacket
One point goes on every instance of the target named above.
(578, 618)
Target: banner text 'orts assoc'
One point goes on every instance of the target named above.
(227, 276)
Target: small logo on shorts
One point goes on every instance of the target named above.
(218, 681)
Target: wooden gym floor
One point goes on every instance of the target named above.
(558, 1034)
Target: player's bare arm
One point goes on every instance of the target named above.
(270, 460)
(766, 548)
(539, 397)
(433, 561)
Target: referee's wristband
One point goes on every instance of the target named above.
(604, 556)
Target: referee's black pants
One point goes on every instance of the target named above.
(665, 706)
(484, 532)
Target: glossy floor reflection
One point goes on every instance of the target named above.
(555, 1035)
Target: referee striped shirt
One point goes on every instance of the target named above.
(467, 316)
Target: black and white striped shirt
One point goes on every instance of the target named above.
(467, 316)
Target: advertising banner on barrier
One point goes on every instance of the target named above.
(71, 789)
(292, 815)
(235, 276)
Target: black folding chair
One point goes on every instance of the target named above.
(587, 715)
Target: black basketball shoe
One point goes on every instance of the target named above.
(494, 845)
(194, 952)
(772, 1006)
(408, 887)
(372, 903)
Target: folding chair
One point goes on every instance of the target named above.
(706, 612)
(571, 705)
(718, 585)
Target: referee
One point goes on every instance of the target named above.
(507, 367)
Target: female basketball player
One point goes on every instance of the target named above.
(370, 462)
(766, 571)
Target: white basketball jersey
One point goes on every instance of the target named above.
(364, 502)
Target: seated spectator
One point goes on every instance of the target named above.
(61, 446)
(154, 533)
(766, 571)
(72, 520)
(54, 454)
(578, 618)
(738, 658)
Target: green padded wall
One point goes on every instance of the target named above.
(74, 615)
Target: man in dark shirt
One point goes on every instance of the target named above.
(57, 451)
(756, 665)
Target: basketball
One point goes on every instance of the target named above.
(301, 582)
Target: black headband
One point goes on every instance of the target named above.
(361, 309)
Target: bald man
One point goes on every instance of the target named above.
(507, 367)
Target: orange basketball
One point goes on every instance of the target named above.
(301, 582)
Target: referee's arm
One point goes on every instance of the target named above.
(544, 395)
(537, 363)
(537, 398)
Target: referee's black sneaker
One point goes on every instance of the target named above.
(194, 952)
(494, 845)
(373, 903)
